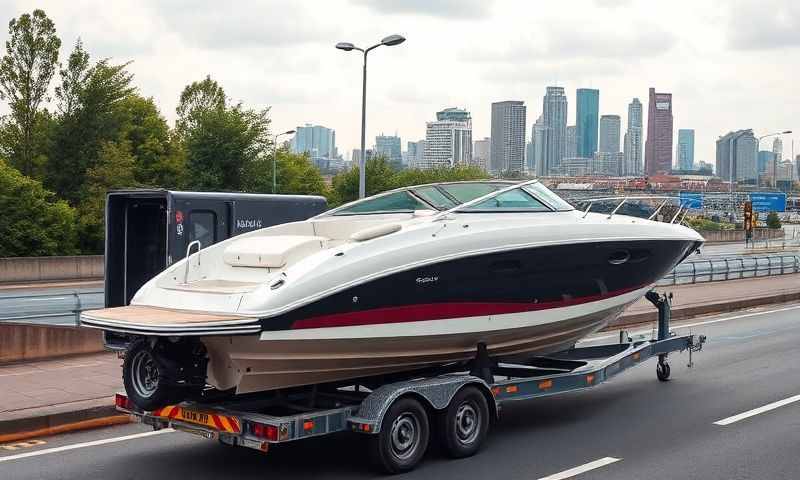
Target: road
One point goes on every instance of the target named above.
(632, 427)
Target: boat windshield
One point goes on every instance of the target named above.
(445, 196)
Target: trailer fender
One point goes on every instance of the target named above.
(435, 393)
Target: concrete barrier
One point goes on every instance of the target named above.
(25, 342)
(36, 269)
(713, 236)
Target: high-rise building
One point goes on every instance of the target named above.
(448, 140)
(684, 149)
(481, 152)
(610, 126)
(633, 140)
(765, 161)
(572, 141)
(508, 137)
(539, 140)
(454, 115)
(415, 153)
(608, 163)
(388, 146)
(777, 149)
(737, 157)
(318, 142)
(554, 114)
(658, 146)
(356, 158)
(586, 113)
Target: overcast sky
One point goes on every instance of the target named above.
(729, 64)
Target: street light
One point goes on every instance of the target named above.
(275, 158)
(389, 41)
(774, 160)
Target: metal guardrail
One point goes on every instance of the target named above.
(731, 268)
(47, 305)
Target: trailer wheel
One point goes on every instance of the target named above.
(463, 427)
(662, 371)
(403, 439)
(143, 377)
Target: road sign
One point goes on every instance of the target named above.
(768, 202)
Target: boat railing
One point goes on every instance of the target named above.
(189, 259)
(682, 208)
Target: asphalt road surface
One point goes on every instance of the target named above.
(632, 427)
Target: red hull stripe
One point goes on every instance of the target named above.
(441, 311)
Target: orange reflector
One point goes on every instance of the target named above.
(512, 389)
(308, 425)
(545, 385)
(589, 379)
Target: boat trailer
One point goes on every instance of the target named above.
(400, 414)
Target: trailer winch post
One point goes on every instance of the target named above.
(662, 302)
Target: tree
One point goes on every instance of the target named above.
(25, 72)
(379, 178)
(773, 221)
(73, 80)
(97, 117)
(196, 98)
(296, 174)
(33, 222)
(221, 144)
(115, 169)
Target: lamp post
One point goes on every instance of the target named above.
(389, 41)
(275, 159)
(774, 160)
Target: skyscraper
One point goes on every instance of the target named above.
(481, 152)
(633, 139)
(317, 141)
(737, 157)
(539, 140)
(658, 146)
(572, 141)
(610, 126)
(586, 112)
(388, 146)
(777, 149)
(448, 140)
(508, 137)
(554, 115)
(415, 153)
(684, 149)
(765, 161)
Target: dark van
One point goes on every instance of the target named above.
(148, 230)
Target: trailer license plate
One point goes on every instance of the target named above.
(215, 421)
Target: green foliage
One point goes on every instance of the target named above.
(25, 71)
(222, 143)
(296, 174)
(704, 224)
(33, 221)
(196, 98)
(381, 176)
(773, 221)
(73, 80)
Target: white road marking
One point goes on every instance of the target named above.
(697, 324)
(94, 443)
(756, 411)
(581, 469)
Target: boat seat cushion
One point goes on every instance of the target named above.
(273, 251)
(375, 232)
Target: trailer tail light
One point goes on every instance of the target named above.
(122, 402)
(545, 385)
(589, 379)
(308, 425)
(268, 432)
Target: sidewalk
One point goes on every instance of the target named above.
(41, 396)
(44, 394)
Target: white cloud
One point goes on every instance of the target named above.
(764, 24)
(449, 9)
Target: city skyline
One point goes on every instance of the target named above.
(624, 48)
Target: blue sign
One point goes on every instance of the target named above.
(768, 202)
(691, 200)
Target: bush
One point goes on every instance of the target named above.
(773, 221)
(33, 222)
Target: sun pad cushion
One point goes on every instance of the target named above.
(271, 251)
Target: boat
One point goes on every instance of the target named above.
(412, 278)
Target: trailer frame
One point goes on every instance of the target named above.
(259, 420)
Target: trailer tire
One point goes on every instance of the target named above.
(403, 439)
(663, 371)
(143, 377)
(464, 425)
